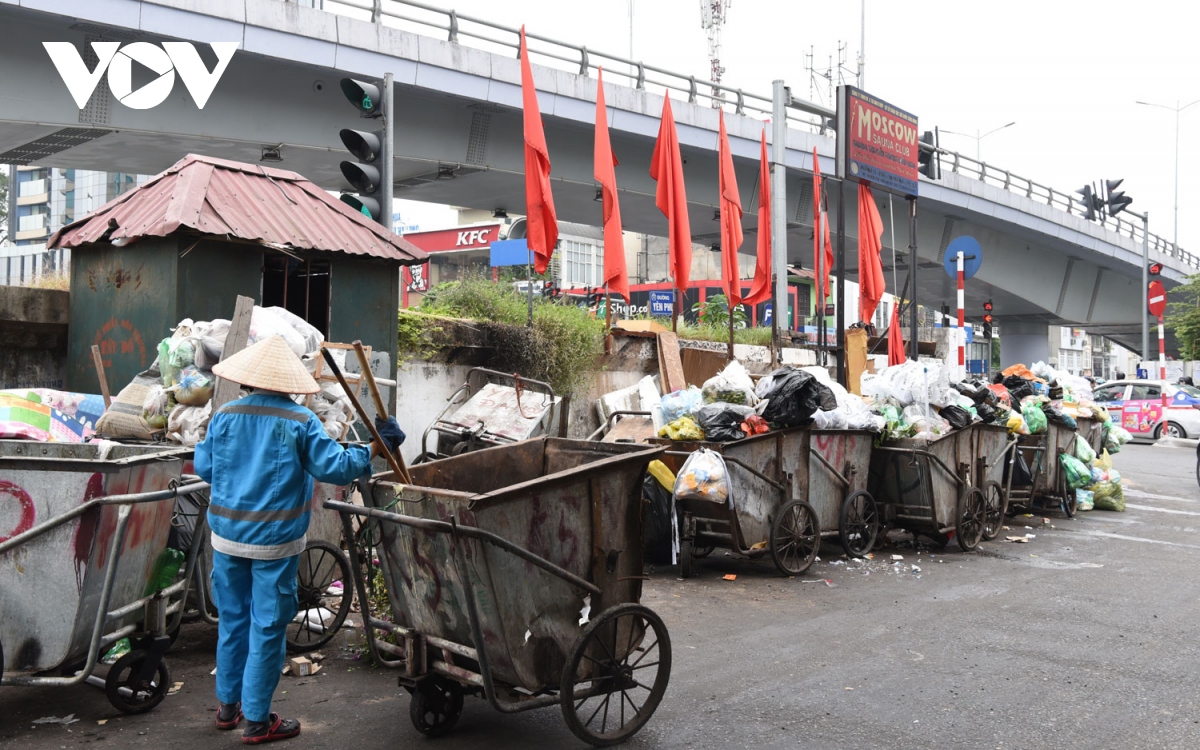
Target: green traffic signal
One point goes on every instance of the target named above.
(363, 95)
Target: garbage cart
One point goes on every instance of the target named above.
(83, 532)
(939, 488)
(1091, 430)
(515, 573)
(992, 445)
(1048, 490)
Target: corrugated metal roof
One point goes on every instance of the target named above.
(229, 199)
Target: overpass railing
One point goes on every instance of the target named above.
(501, 39)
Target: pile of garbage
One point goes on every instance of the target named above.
(731, 406)
(174, 395)
(48, 416)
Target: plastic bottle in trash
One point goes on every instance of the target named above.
(165, 570)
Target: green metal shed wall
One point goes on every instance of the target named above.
(364, 302)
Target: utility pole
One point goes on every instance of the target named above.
(779, 304)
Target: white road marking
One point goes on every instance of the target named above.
(1152, 496)
(1162, 510)
(1110, 535)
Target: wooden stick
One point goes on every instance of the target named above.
(373, 389)
(99, 362)
(397, 468)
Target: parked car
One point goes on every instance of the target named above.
(1139, 406)
(1198, 463)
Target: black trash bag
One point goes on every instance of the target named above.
(986, 412)
(722, 422)
(657, 528)
(795, 396)
(1054, 414)
(183, 526)
(957, 416)
(1021, 477)
(1018, 387)
(974, 390)
(1056, 392)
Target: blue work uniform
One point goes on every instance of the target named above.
(260, 455)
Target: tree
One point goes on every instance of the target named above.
(4, 233)
(714, 313)
(1183, 317)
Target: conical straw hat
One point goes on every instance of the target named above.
(269, 364)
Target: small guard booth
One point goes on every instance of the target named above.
(189, 241)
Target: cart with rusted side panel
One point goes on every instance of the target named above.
(787, 489)
(993, 446)
(83, 531)
(939, 488)
(1091, 429)
(1048, 490)
(515, 573)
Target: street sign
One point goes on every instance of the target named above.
(972, 257)
(662, 303)
(1156, 299)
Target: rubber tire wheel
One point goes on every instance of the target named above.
(970, 516)
(301, 640)
(795, 523)
(593, 647)
(1160, 432)
(699, 552)
(854, 519)
(435, 706)
(686, 555)
(993, 518)
(120, 676)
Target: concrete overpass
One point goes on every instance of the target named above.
(458, 140)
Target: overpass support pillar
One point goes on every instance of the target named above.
(1024, 343)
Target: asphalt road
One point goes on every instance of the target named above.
(1085, 637)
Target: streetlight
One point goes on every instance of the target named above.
(979, 137)
(1176, 109)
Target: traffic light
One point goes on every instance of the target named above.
(1117, 200)
(1155, 269)
(987, 325)
(927, 158)
(1089, 202)
(987, 306)
(371, 175)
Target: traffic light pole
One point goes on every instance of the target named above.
(1145, 285)
(388, 167)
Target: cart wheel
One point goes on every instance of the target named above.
(699, 552)
(996, 503)
(130, 694)
(971, 517)
(1070, 504)
(859, 524)
(435, 706)
(321, 613)
(795, 538)
(686, 554)
(624, 654)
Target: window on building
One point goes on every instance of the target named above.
(582, 264)
(301, 286)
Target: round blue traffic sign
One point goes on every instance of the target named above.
(972, 256)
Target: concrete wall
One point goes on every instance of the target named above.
(33, 337)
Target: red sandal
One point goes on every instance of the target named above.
(229, 715)
(271, 730)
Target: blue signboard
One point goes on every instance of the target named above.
(509, 253)
(976, 366)
(972, 257)
(662, 303)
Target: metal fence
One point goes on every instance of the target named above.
(23, 265)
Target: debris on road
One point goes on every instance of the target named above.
(65, 721)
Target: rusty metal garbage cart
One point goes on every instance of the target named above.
(1048, 490)
(787, 489)
(83, 532)
(944, 487)
(1091, 429)
(515, 573)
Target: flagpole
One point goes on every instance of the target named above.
(729, 307)
(818, 289)
(607, 320)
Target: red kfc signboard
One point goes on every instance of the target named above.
(877, 143)
(461, 238)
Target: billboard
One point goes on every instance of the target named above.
(876, 142)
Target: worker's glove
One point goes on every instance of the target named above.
(390, 433)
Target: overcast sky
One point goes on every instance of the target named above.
(1068, 73)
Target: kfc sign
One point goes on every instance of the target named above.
(450, 240)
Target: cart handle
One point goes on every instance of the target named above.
(845, 482)
(426, 524)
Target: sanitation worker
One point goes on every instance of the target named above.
(261, 455)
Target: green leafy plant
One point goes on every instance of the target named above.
(714, 313)
(1183, 317)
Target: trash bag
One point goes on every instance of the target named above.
(1078, 474)
(174, 354)
(1002, 395)
(1016, 424)
(1018, 387)
(1057, 415)
(1084, 499)
(1019, 468)
(986, 412)
(657, 530)
(1103, 461)
(794, 397)
(1083, 451)
(1108, 496)
(195, 388)
(684, 428)
(703, 477)
(957, 416)
(755, 425)
(1034, 417)
(157, 406)
(731, 386)
(681, 403)
(722, 422)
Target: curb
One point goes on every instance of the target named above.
(1168, 442)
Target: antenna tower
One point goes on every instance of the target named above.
(712, 18)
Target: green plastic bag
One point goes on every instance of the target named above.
(1108, 496)
(1034, 417)
(1083, 451)
(1078, 474)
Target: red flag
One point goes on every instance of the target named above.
(731, 218)
(666, 168)
(870, 244)
(825, 262)
(616, 279)
(760, 291)
(540, 220)
(896, 354)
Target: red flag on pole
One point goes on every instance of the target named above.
(616, 278)
(540, 219)
(666, 168)
(760, 290)
(731, 218)
(896, 355)
(824, 263)
(870, 267)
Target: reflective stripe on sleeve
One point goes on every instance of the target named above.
(264, 411)
(288, 514)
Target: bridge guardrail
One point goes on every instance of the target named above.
(501, 39)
